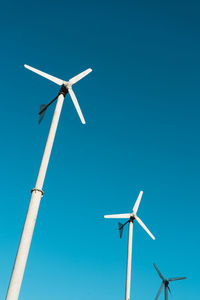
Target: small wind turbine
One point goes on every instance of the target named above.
(131, 217)
(165, 283)
(37, 192)
(66, 87)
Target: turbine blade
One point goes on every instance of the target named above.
(43, 109)
(144, 227)
(176, 278)
(78, 77)
(121, 227)
(137, 203)
(76, 105)
(119, 216)
(47, 76)
(160, 290)
(159, 273)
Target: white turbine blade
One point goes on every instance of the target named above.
(177, 278)
(144, 227)
(160, 290)
(76, 105)
(119, 216)
(137, 203)
(159, 273)
(79, 76)
(47, 76)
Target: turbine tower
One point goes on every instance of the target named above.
(165, 283)
(37, 192)
(131, 217)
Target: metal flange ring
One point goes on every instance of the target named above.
(38, 190)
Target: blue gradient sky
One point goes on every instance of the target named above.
(141, 105)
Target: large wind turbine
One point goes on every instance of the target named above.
(131, 217)
(165, 283)
(37, 192)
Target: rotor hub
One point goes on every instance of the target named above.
(67, 84)
(166, 283)
(63, 90)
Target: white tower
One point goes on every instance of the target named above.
(37, 193)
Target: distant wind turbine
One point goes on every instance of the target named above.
(37, 192)
(131, 217)
(165, 283)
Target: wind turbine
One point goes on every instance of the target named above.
(66, 87)
(131, 217)
(37, 192)
(165, 283)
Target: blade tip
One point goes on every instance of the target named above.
(153, 237)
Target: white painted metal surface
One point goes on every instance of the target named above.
(78, 77)
(68, 84)
(118, 216)
(137, 203)
(131, 216)
(43, 74)
(76, 105)
(25, 242)
(129, 261)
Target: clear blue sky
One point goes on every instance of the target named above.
(142, 105)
